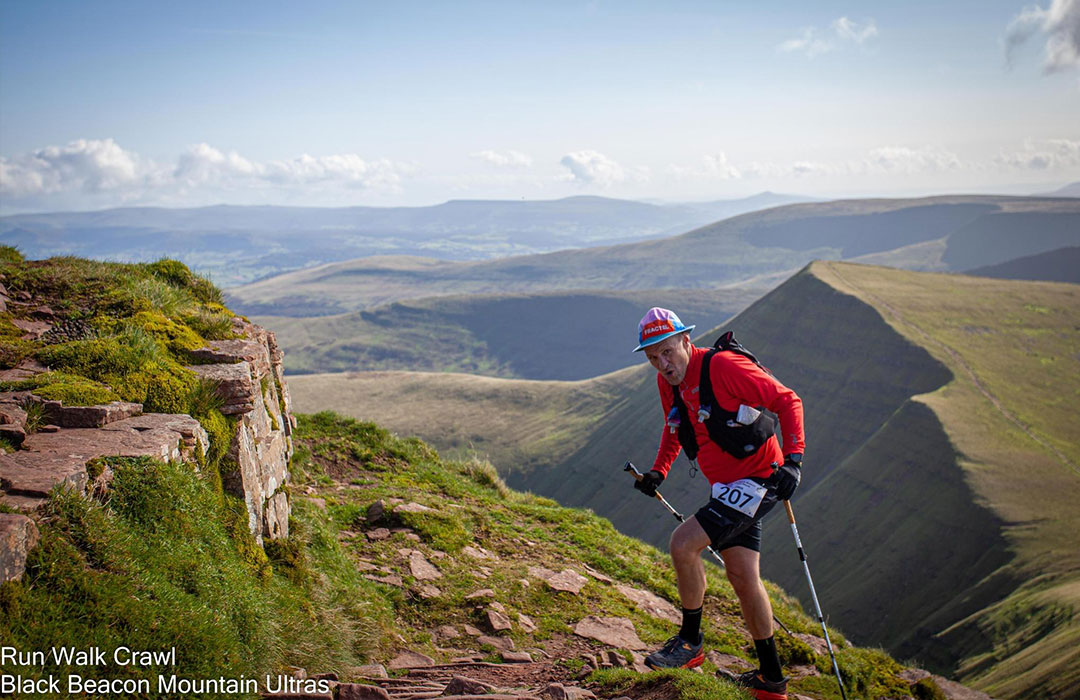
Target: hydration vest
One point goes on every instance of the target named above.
(738, 440)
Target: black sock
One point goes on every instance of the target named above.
(691, 625)
(770, 662)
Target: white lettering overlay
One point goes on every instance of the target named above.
(103, 686)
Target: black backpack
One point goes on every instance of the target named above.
(737, 439)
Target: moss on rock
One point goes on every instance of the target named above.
(71, 389)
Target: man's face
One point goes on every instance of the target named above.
(671, 357)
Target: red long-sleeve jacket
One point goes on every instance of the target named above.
(735, 380)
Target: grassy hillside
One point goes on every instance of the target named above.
(517, 424)
(540, 336)
(744, 247)
(1009, 415)
(942, 439)
(162, 535)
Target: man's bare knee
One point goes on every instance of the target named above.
(742, 570)
(742, 581)
(688, 541)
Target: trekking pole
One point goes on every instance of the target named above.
(813, 594)
(629, 467)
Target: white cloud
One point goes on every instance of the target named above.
(852, 31)
(202, 163)
(101, 169)
(592, 167)
(902, 159)
(85, 165)
(809, 43)
(712, 167)
(1044, 155)
(1060, 23)
(813, 42)
(797, 168)
(504, 159)
(347, 169)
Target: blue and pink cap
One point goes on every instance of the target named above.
(658, 325)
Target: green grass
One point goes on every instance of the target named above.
(157, 565)
(519, 530)
(687, 685)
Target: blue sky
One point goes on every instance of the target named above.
(182, 104)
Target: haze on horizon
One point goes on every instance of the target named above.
(336, 104)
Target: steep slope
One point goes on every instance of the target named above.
(941, 440)
(566, 336)
(769, 242)
(1012, 348)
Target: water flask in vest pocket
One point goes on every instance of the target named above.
(747, 414)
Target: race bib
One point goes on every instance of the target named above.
(743, 495)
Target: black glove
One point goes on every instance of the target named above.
(786, 479)
(648, 483)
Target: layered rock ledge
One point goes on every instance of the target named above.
(250, 380)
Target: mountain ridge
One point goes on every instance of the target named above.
(843, 380)
(725, 252)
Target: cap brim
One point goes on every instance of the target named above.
(662, 338)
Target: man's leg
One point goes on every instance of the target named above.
(685, 649)
(687, 543)
(743, 571)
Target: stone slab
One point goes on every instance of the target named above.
(652, 604)
(90, 416)
(236, 351)
(615, 631)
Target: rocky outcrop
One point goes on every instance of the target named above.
(251, 381)
(250, 378)
(61, 458)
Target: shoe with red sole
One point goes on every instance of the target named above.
(677, 653)
(761, 688)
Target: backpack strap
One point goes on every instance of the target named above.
(686, 429)
(727, 342)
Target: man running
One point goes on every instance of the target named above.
(716, 417)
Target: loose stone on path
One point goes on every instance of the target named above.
(567, 580)
(421, 568)
(410, 659)
(651, 604)
(615, 631)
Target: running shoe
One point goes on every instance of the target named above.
(761, 688)
(677, 653)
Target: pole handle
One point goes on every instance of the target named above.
(790, 513)
(629, 467)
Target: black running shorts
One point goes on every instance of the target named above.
(727, 527)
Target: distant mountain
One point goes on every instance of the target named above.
(726, 208)
(939, 499)
(236, 244)
(945, 233)
(1070, 190)
(571, 335)
(1061, 265)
